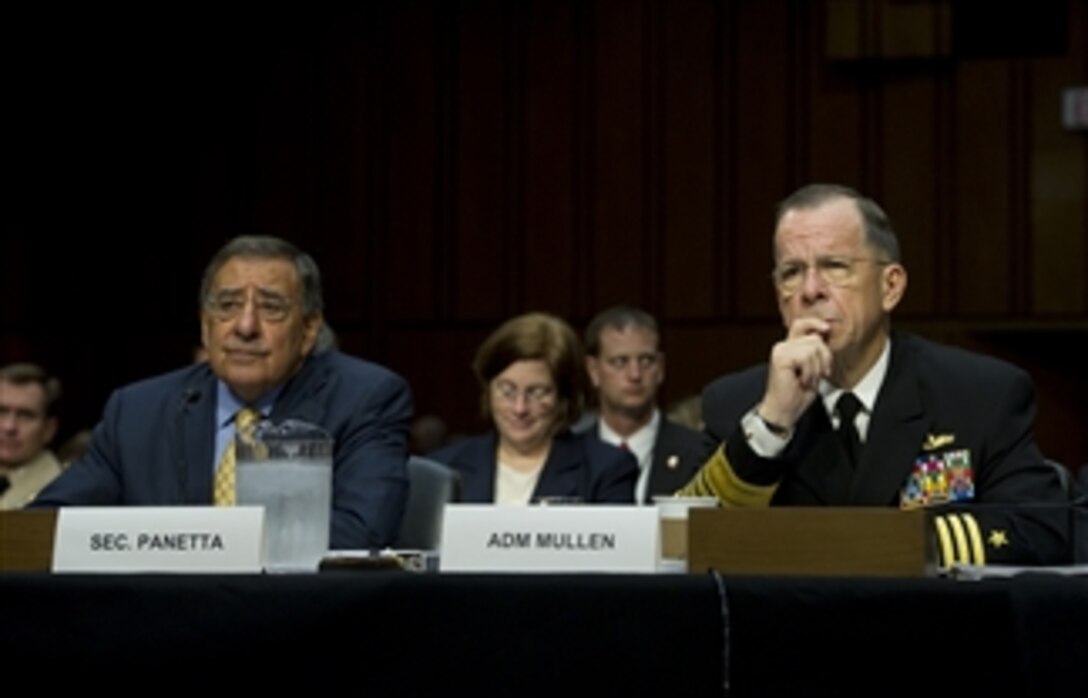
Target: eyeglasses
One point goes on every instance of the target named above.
(834, 271)
(534, 395)
(227, 307)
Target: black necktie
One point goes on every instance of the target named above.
(847, 408)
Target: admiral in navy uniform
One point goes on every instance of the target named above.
(626, 366)
(929, 425)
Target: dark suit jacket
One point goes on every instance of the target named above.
(155, 444)
(678, 455)
(578, 465)
(931, 393)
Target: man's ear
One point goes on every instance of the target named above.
(893, 284)
(310, 328)
(593, 368)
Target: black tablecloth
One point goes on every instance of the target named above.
(401, 633)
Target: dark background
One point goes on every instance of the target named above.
(451, 164)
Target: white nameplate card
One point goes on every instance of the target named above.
(158, 539)
(572, 538)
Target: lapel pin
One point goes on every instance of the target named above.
(672, 462)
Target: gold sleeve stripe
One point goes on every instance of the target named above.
(974, 533)
(963, 554)
(944, 540)
(717, 479)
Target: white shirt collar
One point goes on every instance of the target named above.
(867, 388)
(641, 443)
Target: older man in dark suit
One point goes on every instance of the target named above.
(160, 439)
(847, 412)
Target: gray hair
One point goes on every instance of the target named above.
(326, 339)
(267, 247)
(878, 228)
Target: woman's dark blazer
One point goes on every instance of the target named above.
(578, 466)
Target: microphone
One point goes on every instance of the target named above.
(188, 397)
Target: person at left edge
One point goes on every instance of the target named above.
(28, 423)
(261, 311)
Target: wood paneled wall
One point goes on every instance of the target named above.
(452, 164)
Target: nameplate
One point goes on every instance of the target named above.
(158, 539)
(573, 538)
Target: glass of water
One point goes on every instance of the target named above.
(287, 469)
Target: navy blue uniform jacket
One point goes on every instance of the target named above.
(935, 400)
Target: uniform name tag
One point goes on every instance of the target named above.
(586, 538)
(158, 539)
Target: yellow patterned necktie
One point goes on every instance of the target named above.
(245, 421)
